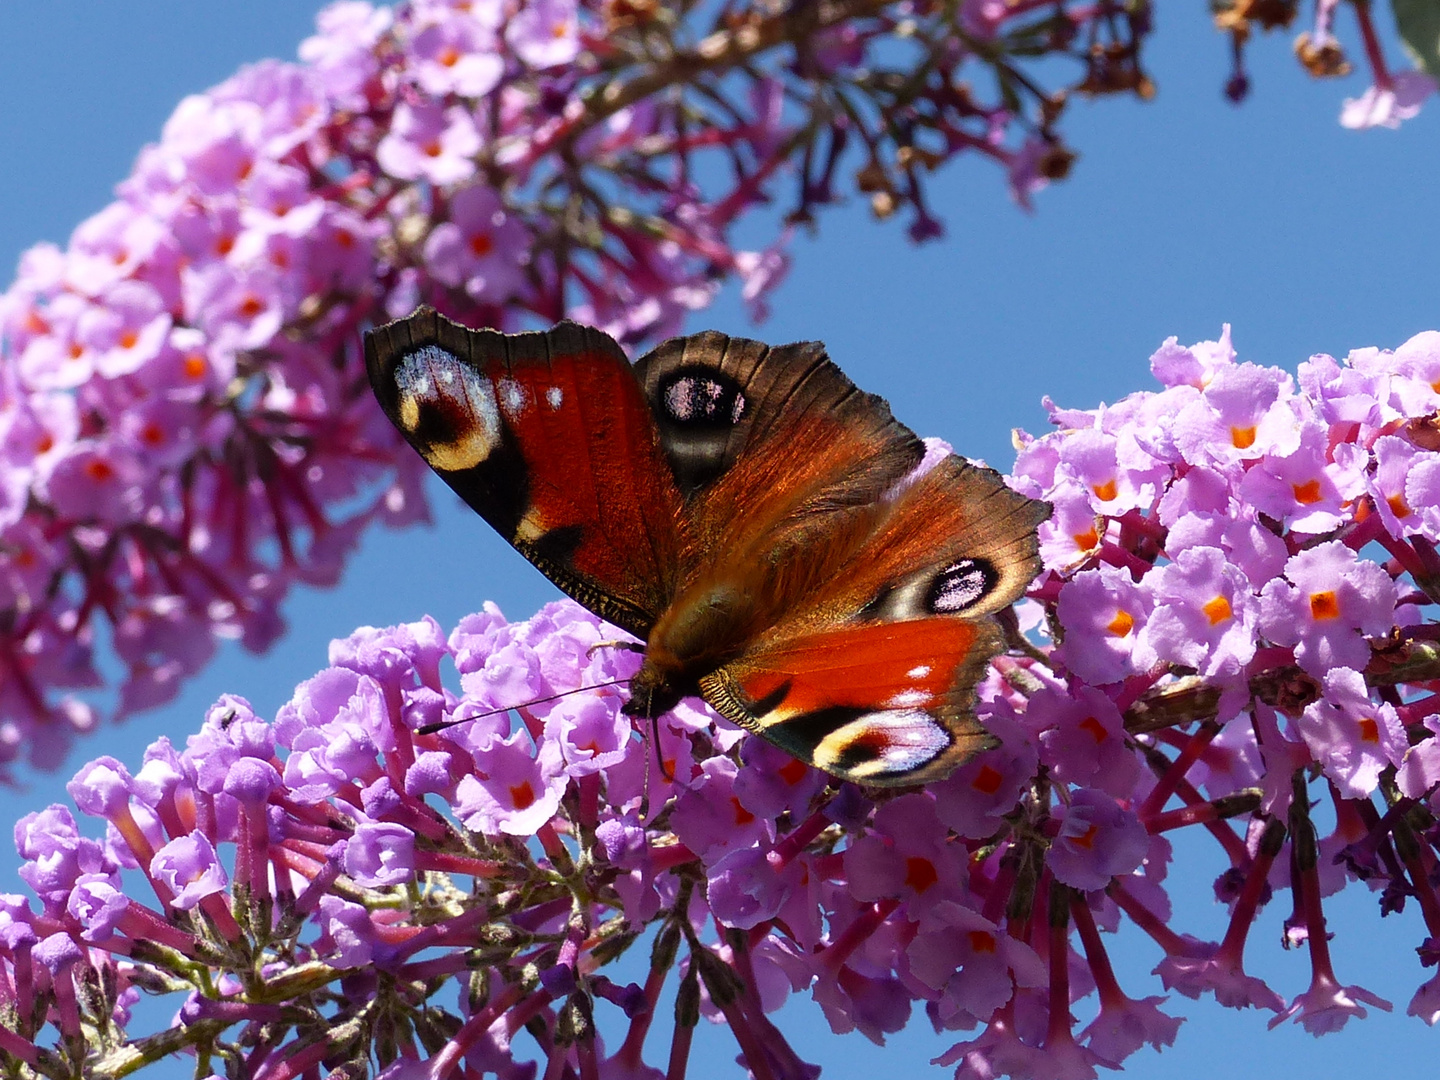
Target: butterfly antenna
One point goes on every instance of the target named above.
(441, 725)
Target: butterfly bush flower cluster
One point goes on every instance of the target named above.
(1392, 97)
(183, 409)
(400, 875)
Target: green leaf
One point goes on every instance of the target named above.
(1419, 24)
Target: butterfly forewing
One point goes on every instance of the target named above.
(547, 437)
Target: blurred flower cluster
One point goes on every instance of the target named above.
(1234, 626)
(186, 424)
(1392, 97)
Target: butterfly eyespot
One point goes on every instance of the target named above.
(884, 742)
(960, 586)
(701, 397)
(447, 409)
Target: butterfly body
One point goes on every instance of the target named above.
(747, 512)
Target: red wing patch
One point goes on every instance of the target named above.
(887, 703)
(548, 437)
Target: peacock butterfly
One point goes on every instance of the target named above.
(746, 511)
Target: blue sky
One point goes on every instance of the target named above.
(1181, 214)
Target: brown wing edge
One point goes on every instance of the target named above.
(789, 380)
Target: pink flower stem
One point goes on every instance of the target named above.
(471, 1031)
(457, 864)
(1115, 555)
(687, 1016)
(297, 1063)
(1415, 860)
(1135, 687)
(1373, 52)
(1305, 859)
(793, 844)
(998, 891)
(585, 1051)
(1060, 1029)
(1242, 916)
(67, 1005)
(1234, 846)
(629, 1054)
(669, 856)
(527, 1010)
(1415, 711)
(550, 841)
(22, 1049)
(1099, 960)
(1155, 927)
(589, 809)
(1175, 774)
(856, 933)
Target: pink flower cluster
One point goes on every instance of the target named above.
(1225, 650)
(1392, 98)
(186, 425)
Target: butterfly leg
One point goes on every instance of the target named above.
(627, 646)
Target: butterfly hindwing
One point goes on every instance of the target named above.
(547, 437)
(885, 704)
(872, 676)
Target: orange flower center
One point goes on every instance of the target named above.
(793, 771)
(1307, 493)
(982, 941)
(1218, 610)
(1122, 624)
(988, 780)
(1324, 605)
(522, 795)
(1095, 728)
(742, 816)
(920, 873)
(1242, 438)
